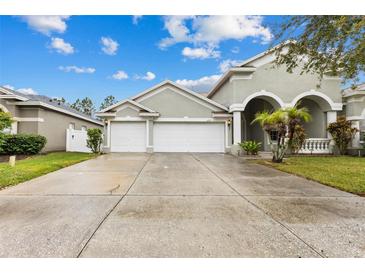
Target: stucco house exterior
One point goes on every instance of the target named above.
(42, 115)
(172, 118)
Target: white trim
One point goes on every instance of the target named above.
(42, 104)
(235, 78)
(140, 97)
(146, 114)
(3, 108)
(192, 120)
(13, 96)
(237, 131)
(28, 119)
(147, 133)
(125, 102)
(109, 134)
(226, 129)
(334, 106)
(106, 114)
(355, 118)
(260, 94)
(128, 119)
(221, 115)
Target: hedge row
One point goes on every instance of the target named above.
(21, 144)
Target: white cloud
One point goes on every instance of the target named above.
(202, 84)
(77, 69)
(26, 91)
(211, 30)
(8, 86)
(227, 64)
(61, 46)
(235, 50)
(200, 53)
(149, 76)
(46, 24)
(136, 19)
(120, 75)
(110, 46)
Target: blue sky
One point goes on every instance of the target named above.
(96, 56)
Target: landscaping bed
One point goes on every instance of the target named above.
(343, 172)
(35, 166)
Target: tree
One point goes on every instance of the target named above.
(108, 101)
(94, 139)
(331, 45)
(5, 120)
(296, 117)
(85, 106)
(283, 122)
(342, 133)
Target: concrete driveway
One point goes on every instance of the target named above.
(178, 205)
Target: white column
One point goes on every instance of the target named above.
(109, 134)
(14, 127)
(331, 118)
(356, 140)
(237, 127)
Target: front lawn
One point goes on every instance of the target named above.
(343, 172)
(39, 165)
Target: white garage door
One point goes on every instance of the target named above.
(188, 137)
(128, 137)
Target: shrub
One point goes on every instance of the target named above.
(23, 144)
(94, 139)
(342, 133)
(251, 147)
(5, 120)
(298, 139)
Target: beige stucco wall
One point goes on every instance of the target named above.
(276, 80)
(173, 105)
(127, 112)
(54, 128)
(355, 105)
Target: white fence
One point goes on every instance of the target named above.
(316, 146)
(76, 140)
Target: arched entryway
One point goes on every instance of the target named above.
(253, 131)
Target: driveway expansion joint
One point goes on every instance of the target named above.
(259, 208)
(114, 207)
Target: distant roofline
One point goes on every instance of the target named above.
(27, 101)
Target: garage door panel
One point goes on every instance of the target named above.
(128, 137)
(188, 137)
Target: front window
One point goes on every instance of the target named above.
(273, 135)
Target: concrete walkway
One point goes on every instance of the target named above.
(178, 205)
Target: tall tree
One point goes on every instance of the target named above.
(85, 106)
(108, 101)
(327, 44)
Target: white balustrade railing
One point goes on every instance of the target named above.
(316, 146)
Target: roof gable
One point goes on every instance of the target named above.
(119, 105)
(180, 89)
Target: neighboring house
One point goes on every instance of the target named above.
(171, 118)
(42, 115)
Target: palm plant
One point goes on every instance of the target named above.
(284, 122)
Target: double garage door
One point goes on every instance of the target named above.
(168, 137)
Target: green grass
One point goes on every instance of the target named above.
(39, 165)
(342, 172)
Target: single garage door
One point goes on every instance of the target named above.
(128, 137)
(188, 137)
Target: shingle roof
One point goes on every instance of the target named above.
(50, 101)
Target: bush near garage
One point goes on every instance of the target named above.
(26, 144)
(94, 139)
